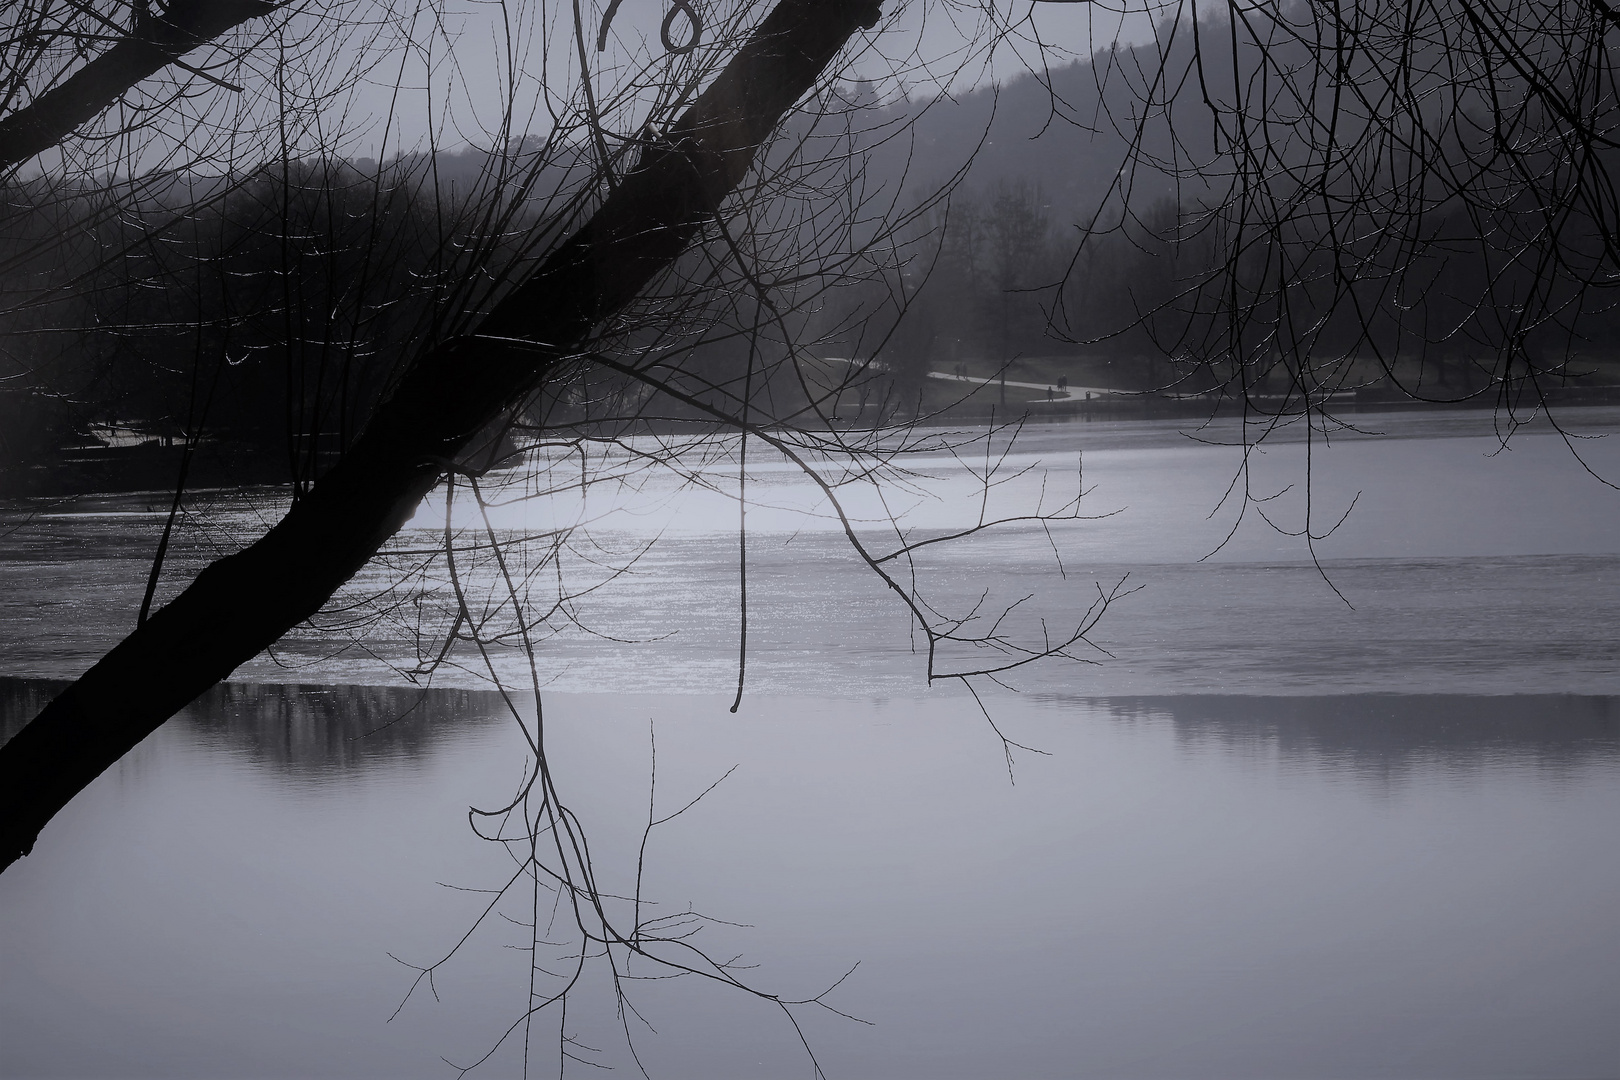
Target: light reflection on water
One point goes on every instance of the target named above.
(1276, 835)
(1464, 568)
(1388, 738)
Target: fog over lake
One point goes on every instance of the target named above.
(1349, 816)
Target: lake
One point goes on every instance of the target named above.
(1342, 813)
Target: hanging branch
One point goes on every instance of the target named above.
(243, 603)
(155, 42)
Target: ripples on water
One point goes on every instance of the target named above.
(1275, 835)
(1463, 568)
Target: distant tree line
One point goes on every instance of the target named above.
(261, 315)
(266, 312)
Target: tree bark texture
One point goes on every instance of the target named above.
(156, 42)
(241, 604)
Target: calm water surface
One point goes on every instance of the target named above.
(1273, 834)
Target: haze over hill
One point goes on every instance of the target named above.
(1072, 231)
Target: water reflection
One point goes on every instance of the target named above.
(1154, 900)
(1470, 570)
(1389, 734)
(297, 728)
(303, 728)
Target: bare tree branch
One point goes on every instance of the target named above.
(156, 41)
(241, 604)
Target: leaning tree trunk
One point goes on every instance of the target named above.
(156, 41)
(241, 604)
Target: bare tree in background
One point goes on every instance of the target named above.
(1418, 195)
(656, 230)
(644, 238)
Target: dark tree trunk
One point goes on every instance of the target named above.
(156, 42)
(243, 603)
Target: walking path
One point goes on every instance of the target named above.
(1059, 393)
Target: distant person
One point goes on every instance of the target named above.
(1063, 382)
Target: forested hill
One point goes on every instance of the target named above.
(1064, 130)
(1069, 228)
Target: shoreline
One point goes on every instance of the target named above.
(1156, 405)
(152, 467)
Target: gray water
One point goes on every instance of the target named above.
(1272, 833)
